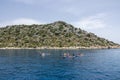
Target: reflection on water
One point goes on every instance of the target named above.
(60, 64)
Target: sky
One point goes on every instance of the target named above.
(101, 17)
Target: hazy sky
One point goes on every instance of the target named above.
(101, 17)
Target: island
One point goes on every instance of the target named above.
(56, 35)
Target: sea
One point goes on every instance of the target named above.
(83, 64)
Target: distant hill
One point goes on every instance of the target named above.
(57, 34)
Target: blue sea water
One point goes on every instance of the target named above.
(30, 65)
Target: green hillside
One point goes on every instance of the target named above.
(57, 34)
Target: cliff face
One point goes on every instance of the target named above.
(57, 34)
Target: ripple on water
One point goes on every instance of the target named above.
(29, 65)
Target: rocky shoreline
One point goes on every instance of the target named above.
(92, 47)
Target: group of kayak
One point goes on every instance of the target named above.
(67, 55)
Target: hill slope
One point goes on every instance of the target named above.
(57, 34)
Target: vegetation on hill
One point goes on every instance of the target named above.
(57, 34)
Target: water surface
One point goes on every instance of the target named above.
(30, 65)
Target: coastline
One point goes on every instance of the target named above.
(92, 47)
